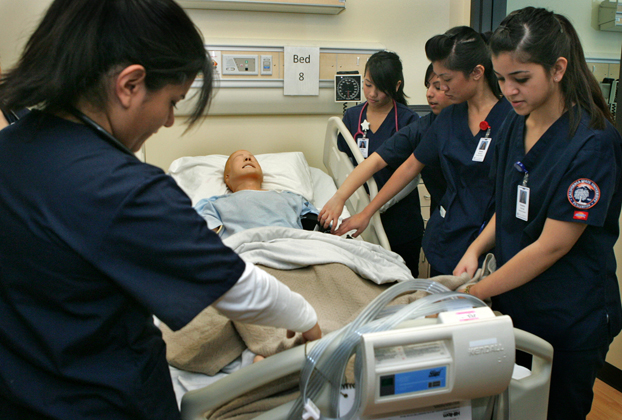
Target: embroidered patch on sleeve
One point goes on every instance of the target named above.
(580, 215)
(583, 194)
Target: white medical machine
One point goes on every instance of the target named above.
(458, 365)
(468, 354)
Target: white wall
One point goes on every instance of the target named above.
(584, 17)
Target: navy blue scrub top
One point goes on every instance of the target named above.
(12, 116)
(92, 243)
(468, 201)
(575, 304)
(402, 222)
(402, 144)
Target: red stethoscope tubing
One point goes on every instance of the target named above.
(361, 116)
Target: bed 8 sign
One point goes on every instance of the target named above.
(302, 71)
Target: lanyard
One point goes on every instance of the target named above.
(520, 167)
(358, 127)
(99, 130)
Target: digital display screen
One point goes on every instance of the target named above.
(413, 381)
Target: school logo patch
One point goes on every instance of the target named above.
(583, 194)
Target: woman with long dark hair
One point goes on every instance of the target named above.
(558, 199)
(371, 123)
(93, 242)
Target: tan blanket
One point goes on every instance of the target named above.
(211, 341)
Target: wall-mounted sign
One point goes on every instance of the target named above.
(301, 71)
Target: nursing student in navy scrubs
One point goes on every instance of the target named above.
(94, 242)
(371, 124)
(460, 142)
(392, 153)
(558, 195)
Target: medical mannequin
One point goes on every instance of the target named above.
(251, 206)
(393, 153)
(557, 204)
(462, 62)
(371, 123)
(93, 242)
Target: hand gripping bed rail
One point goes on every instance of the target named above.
(339, 167)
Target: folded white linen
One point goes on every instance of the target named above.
(288, 249)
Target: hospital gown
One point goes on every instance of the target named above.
(248, 209)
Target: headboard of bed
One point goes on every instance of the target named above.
(339, 167)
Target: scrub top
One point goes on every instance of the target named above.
(401, 145)
(92, 243)
(575, 304)
(468, 201)
(12, 116)
(402, 222)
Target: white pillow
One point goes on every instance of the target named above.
(203, 176)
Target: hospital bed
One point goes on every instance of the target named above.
(466, 357)
(201, 177)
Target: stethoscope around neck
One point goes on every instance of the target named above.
(100, 131)
(364, 133)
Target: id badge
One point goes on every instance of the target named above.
(522, 203)
(363, 144)
(482, 149)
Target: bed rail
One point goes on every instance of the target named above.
(528, 396)
(338, 166)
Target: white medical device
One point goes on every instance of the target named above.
(468, 354)
(456, 366)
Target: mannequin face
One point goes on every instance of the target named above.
(242, 168)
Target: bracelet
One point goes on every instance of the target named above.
(468, 289)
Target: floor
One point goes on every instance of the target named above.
(607, 403)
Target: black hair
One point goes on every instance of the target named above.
(537, 35)
(462, 49)
(428, 73)
(385, 69)
(80, 44)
